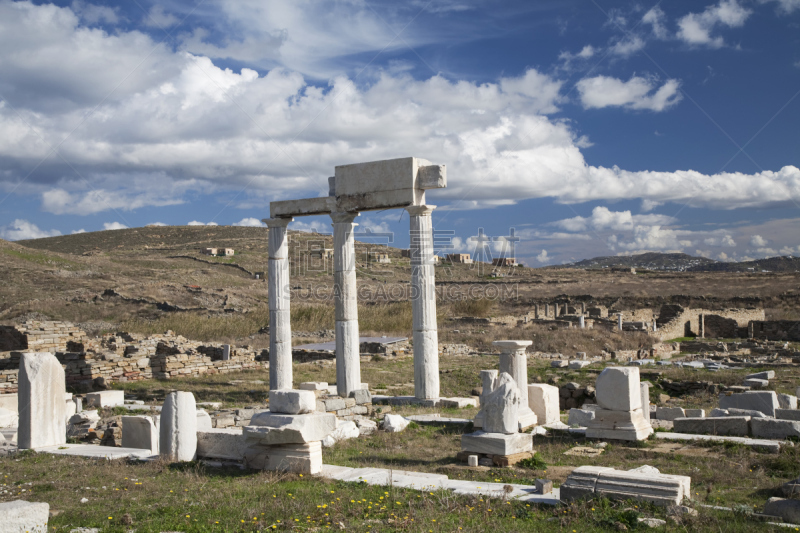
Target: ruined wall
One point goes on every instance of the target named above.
(775, 330)
(40, 336)
(674, 321)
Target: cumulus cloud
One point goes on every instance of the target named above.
(758, 241)
(543, 258)
(636, 93)
(603, 218)
(75, 232)
(180, 125)
(656, 19)
(154, 224)
(315, 226)
(785, 6)
(159, 18)
(198, 223)
(726, 241)
(114, 225)
(250, 222)
(22, 229)
(696, 28)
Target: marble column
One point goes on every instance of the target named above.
(514, 361)
(423, 304)
(280, 328)
(582, 322)
(619, 321)
(547, 310)
(348, 358)
(536, 313)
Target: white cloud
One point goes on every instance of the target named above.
(653, 238)
(785, 6)
(649, 205)
(154, 224)
(313, 226)
(22, 229)
(726, 241)
(159, 18)
(250, 222)
(114, 225)
(758, 241)
(696, 28)
(636, 93)
(75, 232)
(603, 218)
(279, 136)
(789, 250)
(93, 14)
(543, 257)
(198, 223)
(627, 46)
(656, 18)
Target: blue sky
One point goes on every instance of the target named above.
(591, 127)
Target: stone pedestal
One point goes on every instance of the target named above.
(423, 303)
(280, 329)
(514, 361)
(620, 415)
(348, 360)
(619, 425)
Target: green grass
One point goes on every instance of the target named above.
(40, 258)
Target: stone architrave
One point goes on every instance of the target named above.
(42, 410)
(280, 329)
(423, 303)
(514, 362)
(348, 359)
(178, 431)
(501, 410)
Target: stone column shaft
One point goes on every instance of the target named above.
(348, 358)
(619, 321)
(423, 303)
(582, 322)
(280, 329)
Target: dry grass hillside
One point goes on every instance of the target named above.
(156, 278)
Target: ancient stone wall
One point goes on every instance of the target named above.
(775, 330)
(675, 321)
(40, 336)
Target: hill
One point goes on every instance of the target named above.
(646, 261)
(770, 264)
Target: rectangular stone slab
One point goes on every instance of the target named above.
(729, 425)
(271, 428)
(764, 401)
(20, 516)
(771, 428)
(221, 443)
(496, 443)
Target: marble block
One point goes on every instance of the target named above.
(618, 425)
(293, 402)
(496, 443)
(272, 428)
(618, 389)
(543, 400)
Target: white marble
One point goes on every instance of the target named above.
(618, 388)
(496, 443)
(140, 432)
(543, 401)
(221, 443)
(178, 427)
(348, 361)
(20, 516)
(280, 332)
(423, 303)
(292, 402)
(619, 425)
(42, 410)
(106, 398)
(501, 408)
(271, 428)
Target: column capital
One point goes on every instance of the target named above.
(344, 216)
(420, 210)
(512, 346)
(277, 222)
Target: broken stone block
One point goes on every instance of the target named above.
(746, 412)
(314, 386)
(295, 458)
(106, 398)
(544, 486)
(273, 428)
(42, 411)
(178, 427)
(662, 489)
(738, 426)
(580, 417)
(618, 389)
(695, 413)
(788, 414)
(756, 383)
(559, 364)
(769, 374)
(203, 420)
(140, 432)
(644, 392)
(226, 444)
(20, 516)
(543, 401)
(773, 428)
(496, 443)
(366, 426)
(345, 430)
(670, 413)
(764, 401)
(787, 401)
(394, 423)
(789, 510)
(292, 402)
(361, 396)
